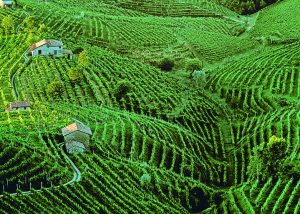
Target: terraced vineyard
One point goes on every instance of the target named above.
(221, 135)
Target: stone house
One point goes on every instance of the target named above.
(22, 106)
(77, 137)
(49, 47)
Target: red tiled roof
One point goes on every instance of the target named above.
(49, 42)
(76, 127)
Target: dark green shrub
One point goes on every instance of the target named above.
(122, 88)
(193, 65)
(166, 64)
(55, 88)
(74, 75)
(268, 158)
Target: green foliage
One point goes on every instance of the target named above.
(283, 18)
(122, 88)
(74, 75)
(166, 64)
(187, 136)
(29, 24)
(83, 59)
(30, 39)
(267, 160)
(56, 88)
(8, 24)
(291, 169)
(193, 65)
(246, 6)
(42, 29)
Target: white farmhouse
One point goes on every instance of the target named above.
(49, 47)
(5, 3)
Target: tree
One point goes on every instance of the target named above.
(42, 29)
(55, 88)
(7, 23)
(83, 59)
(29, 23)
(193, 65)
(268, 158)
(30, 39)
(74, 75)
(166, 64)
(122, 88)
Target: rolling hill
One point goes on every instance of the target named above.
(179, 140)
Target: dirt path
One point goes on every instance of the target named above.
(13, 78)
(249, 22)
(13, 83)
(76, 177)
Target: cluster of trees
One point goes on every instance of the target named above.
(29, 24)
(271, 159)
(56, 88)
(7, 23)
(247, 6)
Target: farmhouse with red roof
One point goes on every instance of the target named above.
(49, 47)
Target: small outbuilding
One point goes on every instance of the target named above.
(22, 106)
(74, 147)
(77, 137)
(49, 47)
(5, 3)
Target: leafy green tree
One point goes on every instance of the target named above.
(30, 39)
(193, 65)
(83, 59)
(166, 64)
(42, 29)
(122, 88)
(74, 75)
(55, 88)
(29, 24)
(8, 24)
(268, 158)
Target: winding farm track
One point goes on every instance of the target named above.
(13, 83)
(13, 78)
(76, 177)
(76, 173)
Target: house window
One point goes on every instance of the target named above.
(55, 52)
(40, 52)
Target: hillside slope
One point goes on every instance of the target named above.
(177, 141)
(280, 20)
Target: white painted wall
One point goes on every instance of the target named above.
(3, 2)
(47, 51)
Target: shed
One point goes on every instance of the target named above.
(74, 147)
(22, 106)
(69, 53)
(76, 134)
